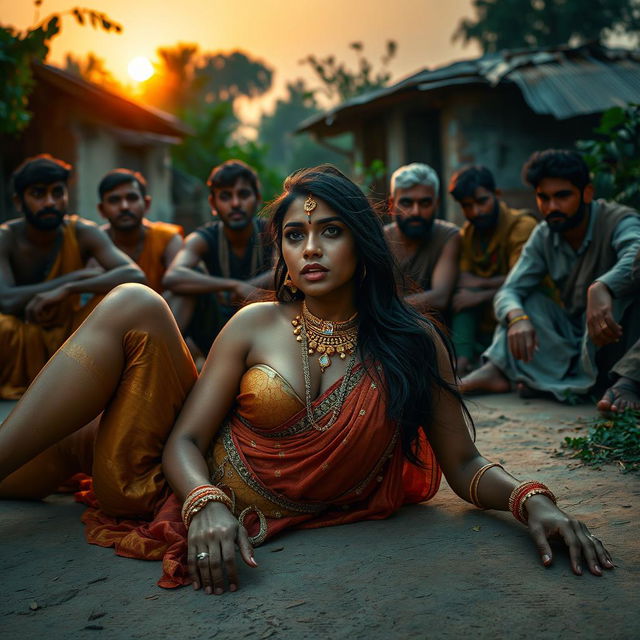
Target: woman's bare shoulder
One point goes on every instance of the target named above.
(261, 315)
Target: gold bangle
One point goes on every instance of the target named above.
(511, 322)
(199, 497)
(475, 481)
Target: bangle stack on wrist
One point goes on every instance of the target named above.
(522, 493)
(513, 321)
(199, 497)
(475, 481)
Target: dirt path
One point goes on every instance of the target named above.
(438, 570)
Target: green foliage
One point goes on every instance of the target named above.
(340, 83)
(17, 52)
(16, 79)
(614, 156)
(368, 175)
(201, 88)
(287, 151)
(92, 69)
(223, 76)
(614, 440)
(514, 24)
(185, 78)
(213, 143)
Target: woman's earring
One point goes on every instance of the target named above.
(288, 282)
(364, 273)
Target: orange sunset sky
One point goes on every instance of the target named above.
(278, 32)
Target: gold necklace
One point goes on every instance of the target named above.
(326, 337)
(342, 392)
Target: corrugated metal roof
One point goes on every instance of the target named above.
(563, 81)
(578, 87)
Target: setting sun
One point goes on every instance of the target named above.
(140, 69)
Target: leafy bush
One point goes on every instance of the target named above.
(614, 156)
(19, 49)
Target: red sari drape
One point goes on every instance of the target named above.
(307, 478)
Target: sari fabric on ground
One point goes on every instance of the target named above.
(279, 470)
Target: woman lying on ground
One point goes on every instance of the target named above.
(308, 412)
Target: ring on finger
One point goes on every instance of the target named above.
(203, 555)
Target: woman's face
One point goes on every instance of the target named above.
(318, 249)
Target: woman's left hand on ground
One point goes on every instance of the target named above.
(547, 521)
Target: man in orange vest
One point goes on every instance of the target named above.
(124, 203)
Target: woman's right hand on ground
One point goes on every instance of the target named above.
(546, 521)
(522, 340)
(213, 535)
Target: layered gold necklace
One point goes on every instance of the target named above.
(326, 337)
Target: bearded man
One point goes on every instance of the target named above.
(42, 271)
(426, 249)
(492, 239)
(235, 250)
(563, 345)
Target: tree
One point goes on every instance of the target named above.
(514, 24)
(201, 89)
(186, 77)
(285, 150)
(228, 76)
(92, 69)
(336, 81)
(215, 126)
(171, 86)
(614, 155)
(17, 52)
(340, 83)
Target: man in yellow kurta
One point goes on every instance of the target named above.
(492, 239)
(124, 202)
(42, 272)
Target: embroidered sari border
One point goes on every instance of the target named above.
(237, 463)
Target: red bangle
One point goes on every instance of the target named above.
(522, 493)
(199, 497)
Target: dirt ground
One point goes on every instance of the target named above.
(442, 569)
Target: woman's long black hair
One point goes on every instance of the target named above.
(391, 333)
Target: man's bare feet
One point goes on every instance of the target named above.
(487, 379)
(624, 394)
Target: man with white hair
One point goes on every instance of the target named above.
(425, 248)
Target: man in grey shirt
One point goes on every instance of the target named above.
(558, 338)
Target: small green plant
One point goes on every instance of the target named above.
(610, 440)
(367, 175)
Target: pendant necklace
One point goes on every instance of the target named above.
(346, 344)
(326, 337)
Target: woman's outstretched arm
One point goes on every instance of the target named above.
(214, 531)
(492, 488)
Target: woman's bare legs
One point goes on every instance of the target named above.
(83, 376)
